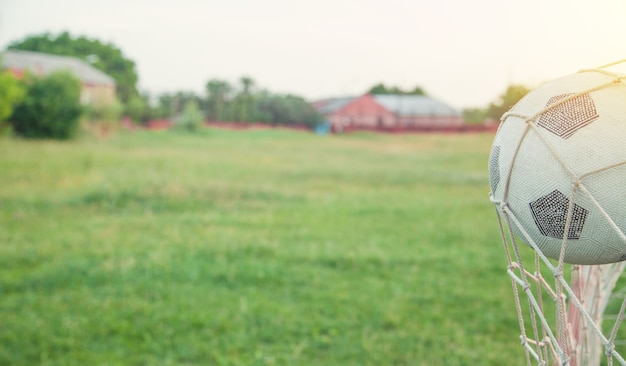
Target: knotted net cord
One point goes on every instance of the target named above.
(573, 336)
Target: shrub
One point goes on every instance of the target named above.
(11, 93)
(50, 109)
(191, 119)
(103, 112)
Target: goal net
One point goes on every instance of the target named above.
(561, 308)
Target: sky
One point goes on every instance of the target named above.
(462, 52)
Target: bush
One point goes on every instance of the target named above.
(102, 117)
(11, 93)
(50, 109)
(136, 109)
(191, 119)
(109, 112)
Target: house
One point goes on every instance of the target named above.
(388, 112)
(97, 87)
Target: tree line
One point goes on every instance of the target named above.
(37, 105)
(498, 107)
(241, 102)
(223, 101)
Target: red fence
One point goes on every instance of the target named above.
(474, 128)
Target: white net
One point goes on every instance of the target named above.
(562, 308)
(561, 316)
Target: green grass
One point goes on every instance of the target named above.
(252, 248)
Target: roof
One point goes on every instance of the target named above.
(415, 105)
(44, 63)
(330, 105)
(401, 105)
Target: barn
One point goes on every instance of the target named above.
(388, 112)
(97, 87)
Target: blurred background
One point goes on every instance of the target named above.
(266, 183)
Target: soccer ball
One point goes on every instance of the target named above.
(557, 168)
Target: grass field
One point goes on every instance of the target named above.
(263, 247)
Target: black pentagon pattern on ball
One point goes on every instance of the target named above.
(494, 168)
(565, 118)
(550, 215)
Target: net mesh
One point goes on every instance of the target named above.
(561, 307)
(561, 314)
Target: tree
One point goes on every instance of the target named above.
(381, 88)
(286, 109)
(145, 107)
(506, 100)
(172, 104)
(378, 89)
(474, 115)
(50, 109)
(242, 108)
(417, 90)
(103, 56)
(218, 95)
(11, 92)
(136, 108)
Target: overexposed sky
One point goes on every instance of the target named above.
(461, 51)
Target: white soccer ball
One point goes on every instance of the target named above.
(562, 149)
